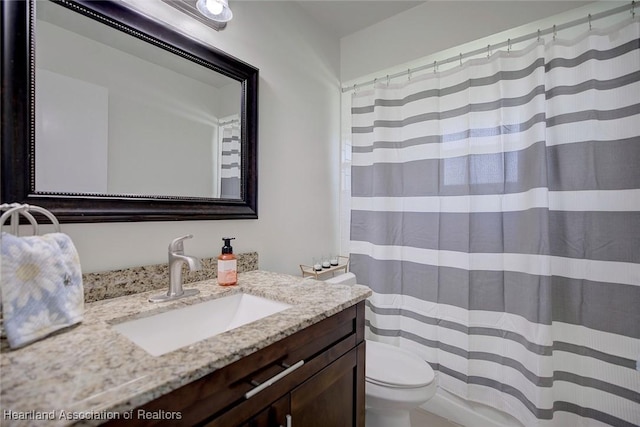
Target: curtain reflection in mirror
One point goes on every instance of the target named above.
(230, 159)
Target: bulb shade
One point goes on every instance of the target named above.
(217, 10)
(215, 7)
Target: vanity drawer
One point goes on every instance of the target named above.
(343, 355)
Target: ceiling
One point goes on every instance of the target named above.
(344, 17)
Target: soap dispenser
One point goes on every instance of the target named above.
(227, 264)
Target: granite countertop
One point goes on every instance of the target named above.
(90, 371)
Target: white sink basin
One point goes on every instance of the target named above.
(162, 333)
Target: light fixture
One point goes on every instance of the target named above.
(217, 10)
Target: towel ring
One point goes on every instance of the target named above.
(14, 210)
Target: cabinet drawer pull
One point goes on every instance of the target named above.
(273, 379)
(289, 424)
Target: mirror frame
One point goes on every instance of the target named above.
(18, 122)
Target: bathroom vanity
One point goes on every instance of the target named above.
(314, 351)
(321, 370)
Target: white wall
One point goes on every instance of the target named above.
(71, 134)
(231, 106)
(298, 149)
(433, 27)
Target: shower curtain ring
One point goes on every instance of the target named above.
(388, 79)
(435, 66)
(409, 74)
(555, 32)
(508, 45)
(589, 18)
(633, 9)
(461, 59)
(538, 34)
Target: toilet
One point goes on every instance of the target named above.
(397, 380)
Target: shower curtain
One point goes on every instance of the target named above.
(495, 214)
(230, 161)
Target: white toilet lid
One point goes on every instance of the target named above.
(392, 366)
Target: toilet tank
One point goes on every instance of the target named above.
(343, 279)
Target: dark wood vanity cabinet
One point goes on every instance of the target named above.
(326, 390)
(274, 415)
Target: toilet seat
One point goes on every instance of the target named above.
(409, 371)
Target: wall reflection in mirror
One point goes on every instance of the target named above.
(116, 115)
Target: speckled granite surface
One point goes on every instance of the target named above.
(92, 371)
(128, 281)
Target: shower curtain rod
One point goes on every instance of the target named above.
(551, 30)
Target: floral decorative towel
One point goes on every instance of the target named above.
(41, 284)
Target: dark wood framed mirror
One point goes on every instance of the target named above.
(144, 167)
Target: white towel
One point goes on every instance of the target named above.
(41, 284)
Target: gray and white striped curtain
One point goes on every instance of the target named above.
(495, 213)
(230, 161)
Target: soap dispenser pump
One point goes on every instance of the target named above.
(227, 264)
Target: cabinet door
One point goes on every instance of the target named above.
(273, 416)
(328, 399)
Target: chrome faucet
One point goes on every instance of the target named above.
(176, 259)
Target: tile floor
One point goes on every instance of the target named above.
(422, 418)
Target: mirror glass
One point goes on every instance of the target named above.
(109, 115)
(116, 115)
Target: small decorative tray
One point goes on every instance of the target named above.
(343, 266)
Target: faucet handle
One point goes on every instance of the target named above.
(176, 245)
